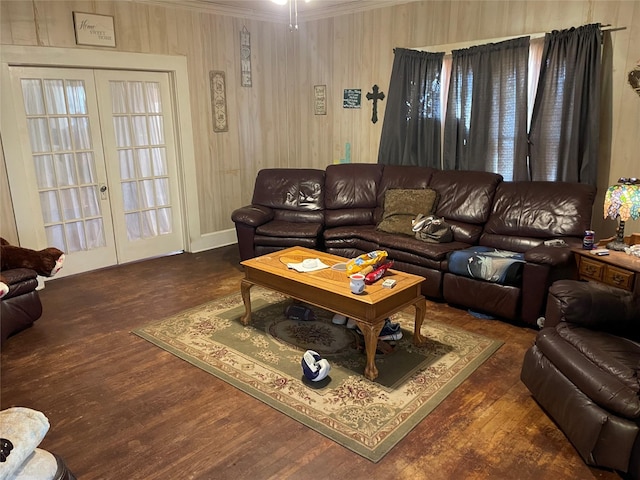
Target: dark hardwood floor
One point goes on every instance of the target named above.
(121, 408)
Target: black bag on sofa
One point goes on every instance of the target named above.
(432, 229)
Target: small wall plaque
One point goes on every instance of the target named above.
(218, 101)
(245, 57)
(94, 29)
(351, 98)
(320, 99)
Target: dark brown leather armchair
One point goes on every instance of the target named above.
(584, 371)
(21, 306)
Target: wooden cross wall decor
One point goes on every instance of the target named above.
(375, 96)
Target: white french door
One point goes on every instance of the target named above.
(103, 163)
(138, 133)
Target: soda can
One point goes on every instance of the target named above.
(588, 240)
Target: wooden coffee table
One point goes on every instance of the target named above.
(329, 289)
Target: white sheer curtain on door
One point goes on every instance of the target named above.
(139, 129)
(63, 157)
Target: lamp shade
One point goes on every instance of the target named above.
(623, 201)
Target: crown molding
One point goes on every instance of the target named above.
(271, 12)
(236, 10)
(346, 8)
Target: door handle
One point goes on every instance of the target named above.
(103, 191)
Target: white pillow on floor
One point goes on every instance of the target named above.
(24, 428)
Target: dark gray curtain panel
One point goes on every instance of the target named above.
(565, 124)
(411, 129)
(486, 120)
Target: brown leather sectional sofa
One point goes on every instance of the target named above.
(338, 209)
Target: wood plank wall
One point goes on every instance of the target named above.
(272, 124)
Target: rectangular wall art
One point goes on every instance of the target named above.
(320, 99)
(245, 57)
(351, 98)
(94, 29)
(218, 101)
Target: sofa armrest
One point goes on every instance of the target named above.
(593, 305)
(547, 255)
(19, 281)
(253, 215)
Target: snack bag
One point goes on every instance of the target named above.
(378, 273)
(371, 259)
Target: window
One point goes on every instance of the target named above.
(496, 120)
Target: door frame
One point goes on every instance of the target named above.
(16, 154)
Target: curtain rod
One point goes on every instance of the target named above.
(447, 47)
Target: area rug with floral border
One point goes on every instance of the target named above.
(264, 360)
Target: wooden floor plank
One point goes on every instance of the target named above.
(121, 408)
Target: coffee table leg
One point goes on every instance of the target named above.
(421, 309)
(245, 288)
(371, 334)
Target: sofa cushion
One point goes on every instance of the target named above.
(352, 185)
(540, 210)
(279, 228)
(367, 238)
(349, 217)
(290, 188)
(409, 247)
(465, 196)
(465, 232)
(351, 193)
(292, 216)
(512, 243)
(525, 214)
(278, 243)
(350, 241)
(465, 200)
(401, 206)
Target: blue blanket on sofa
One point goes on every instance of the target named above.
(490, 264)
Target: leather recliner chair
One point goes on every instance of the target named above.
(584, 371)
(287, 210)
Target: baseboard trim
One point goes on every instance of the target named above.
(209, 241)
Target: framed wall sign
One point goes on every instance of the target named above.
(245, 57)
(218, 101)
(351, 98)
(94, 29)
(320, 99)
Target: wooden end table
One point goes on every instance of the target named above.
(329, 289)
(616, 269)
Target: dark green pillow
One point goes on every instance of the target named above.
(402, 205)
